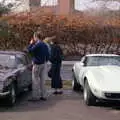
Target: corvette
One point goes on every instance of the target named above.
(98, 75)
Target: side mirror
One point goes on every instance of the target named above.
(20, 66)
(81, 64)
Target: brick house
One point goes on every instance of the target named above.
(63, 7)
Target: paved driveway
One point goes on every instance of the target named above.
(69, 106)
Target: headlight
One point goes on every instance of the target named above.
(97, 91)
(7, 82)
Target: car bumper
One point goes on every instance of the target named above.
(105, 95)
(112, 96)
(4, 94)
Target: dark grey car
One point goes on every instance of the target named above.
(15, 74)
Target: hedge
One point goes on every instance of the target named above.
(77, 35)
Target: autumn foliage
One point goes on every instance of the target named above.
(77, 35)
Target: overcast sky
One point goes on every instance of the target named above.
(85, 4)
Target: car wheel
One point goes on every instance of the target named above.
(30, 87)
(12, 95)
(75, 85)
(89, 98)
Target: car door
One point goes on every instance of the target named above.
(81, 69)
(28, 69)
(77, 69)
(22, 71)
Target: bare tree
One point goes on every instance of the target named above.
(6, 7)
(104, 3)
(104, 9)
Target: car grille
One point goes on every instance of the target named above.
(113, 95)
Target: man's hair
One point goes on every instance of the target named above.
(38, 34)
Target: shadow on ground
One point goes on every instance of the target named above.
(23, 105)
(113, 105)
(109, 104)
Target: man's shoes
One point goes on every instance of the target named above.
(60, 92)
(34, 99)
(43, 98)
(55, 92)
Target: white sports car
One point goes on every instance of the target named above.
(99, 77)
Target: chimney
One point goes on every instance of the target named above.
(35, 3)
(65, 7)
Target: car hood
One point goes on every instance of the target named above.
(4, 73)
(107, 77)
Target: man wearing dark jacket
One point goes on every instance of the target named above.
(54, 73)
(40, 56)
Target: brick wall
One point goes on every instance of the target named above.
(64, 6)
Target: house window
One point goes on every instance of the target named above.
(49, 2)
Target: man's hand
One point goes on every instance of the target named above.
(49, 39)
(53, 37)
(32, 41)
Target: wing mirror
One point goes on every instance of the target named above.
(20, 65)
(81, 64)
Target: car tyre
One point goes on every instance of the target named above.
(89, 98)
(12, 95)
(75, 85)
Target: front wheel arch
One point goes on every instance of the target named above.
(85, 79)
(11, 98)
(14, 81)
(76, 86)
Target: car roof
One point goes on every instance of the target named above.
(12, 52)
(101, 55)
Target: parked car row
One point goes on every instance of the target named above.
(98, 75)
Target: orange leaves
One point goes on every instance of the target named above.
(77, 34)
